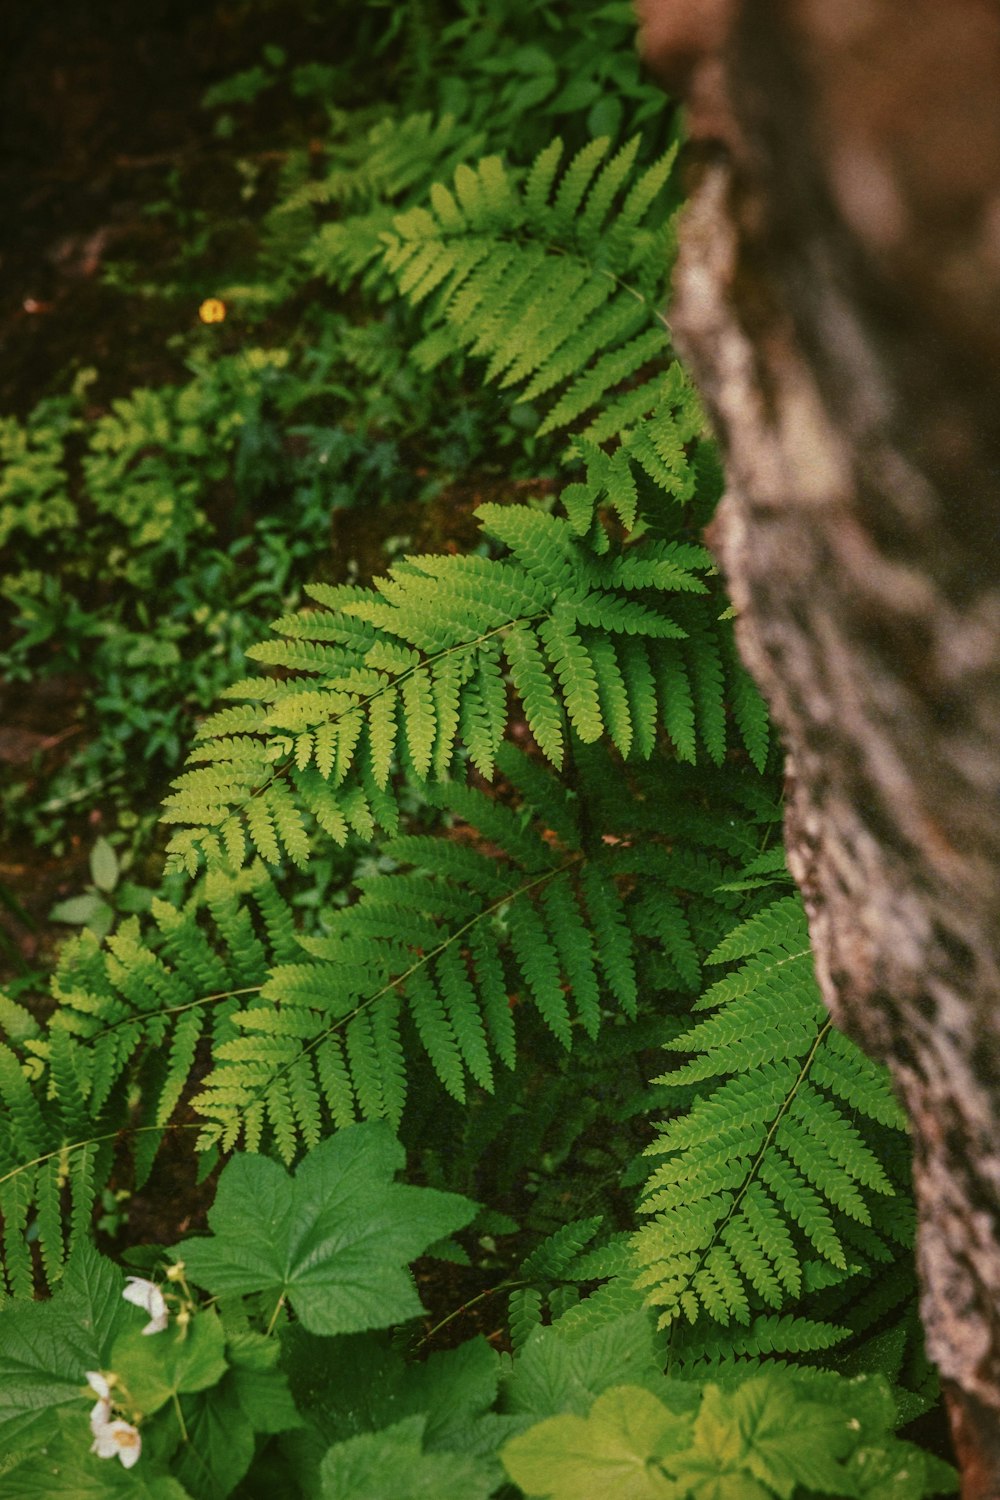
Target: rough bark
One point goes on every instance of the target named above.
(838, 299)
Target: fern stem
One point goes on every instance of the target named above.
(94, 1140)
(490, 1291)
(765, 1147)
(282, 767)
(391, 984)
(177, 1010)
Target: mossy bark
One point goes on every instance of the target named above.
(838, 300)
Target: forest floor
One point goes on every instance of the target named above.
(100, 118)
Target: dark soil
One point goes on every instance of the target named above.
(100, 114)
(100, 117)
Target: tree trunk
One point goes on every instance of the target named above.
(838, 300)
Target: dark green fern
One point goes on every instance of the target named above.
(772, 1184)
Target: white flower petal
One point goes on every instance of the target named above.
(98, 1384)
(100, 1416)
(104, 1444)
(118, 1440)
(129, 1444)
(147, 1295)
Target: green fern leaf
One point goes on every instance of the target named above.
(612, 693)
(419, 720)
(540, 180)
(288, 822)
(464, 1015)
(555, 1256)
(539, 964)
(575, 948)
(389, 1051)
(335, 1081)
(705, 665)
(305, 1101)
(260, 826)
(749, 710)
(611, 369)
(611, 935)
(591, 223)
(524, 1315)
(278, 1106)
(325, 808)
(436, 1032)
(446, 685)
(531, 680)
(574, 668)
(382, 734)
(575, 181)
(676, 700)
(493, 996)
(610, 612)
(765, 1162)
(366, 1074)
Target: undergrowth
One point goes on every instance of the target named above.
(475, 872)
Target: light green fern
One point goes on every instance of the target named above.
(406, 674)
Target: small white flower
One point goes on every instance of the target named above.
(100, 1416)
(147, 1295)
(118, 1440)
(99, 1384)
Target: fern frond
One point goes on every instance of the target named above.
(584, 637)
(766, 1167)
(523, 276)
(459, 938)
(556, 1255)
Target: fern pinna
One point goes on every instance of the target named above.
(782, 1182)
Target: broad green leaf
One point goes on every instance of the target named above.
(711, 1483)
(343, 1385)
(335, 1240)
(360, 1383)
(554, 1374)
(375, 1465)
(767, 1430)
(104, 867)
(91, 1303)
(78, 910)
(898, 1471)
(220, 1445)
(261, 1388)
(46, 1347)
(615, 1451)
(67, 1470)
(452, 1388)
(221, 1423)
(156, 1367)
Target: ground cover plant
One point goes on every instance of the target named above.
(473, 872)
